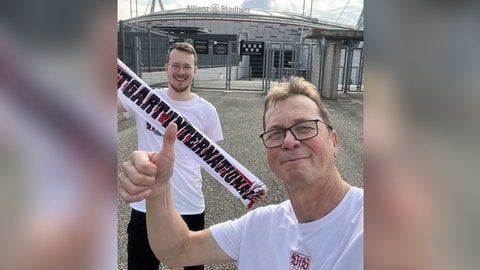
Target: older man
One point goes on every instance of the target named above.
(319, 227)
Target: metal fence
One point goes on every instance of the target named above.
(224, 65)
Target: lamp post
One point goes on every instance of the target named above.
(303, 22)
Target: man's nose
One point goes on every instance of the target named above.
(290, 140)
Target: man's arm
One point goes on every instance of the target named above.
(147, 176)
(171, 240)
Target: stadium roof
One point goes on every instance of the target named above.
(239, 14)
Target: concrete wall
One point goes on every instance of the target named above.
(151, 78)
(331, 70)
(316, 66)
(203, 74)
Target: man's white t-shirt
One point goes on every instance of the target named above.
(187, 179)
(270, 237)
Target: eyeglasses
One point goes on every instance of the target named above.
(301, 131)
(176, 67)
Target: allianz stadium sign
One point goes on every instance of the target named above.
(215, 8)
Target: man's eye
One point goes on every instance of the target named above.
(303, 129)
(275, 134)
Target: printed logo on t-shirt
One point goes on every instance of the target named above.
(155, 131)
(299, 261)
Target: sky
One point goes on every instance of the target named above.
(339, 11)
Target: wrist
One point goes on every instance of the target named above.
(159, 191)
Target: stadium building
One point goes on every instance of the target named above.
(237, 43)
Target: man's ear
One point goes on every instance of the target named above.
(334, 136)
(334, 140)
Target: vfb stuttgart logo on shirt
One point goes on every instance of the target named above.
(155, 131)
(299, 261)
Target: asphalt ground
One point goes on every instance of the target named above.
(241, 117)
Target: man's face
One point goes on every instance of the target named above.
(300, 163)
(180, 70)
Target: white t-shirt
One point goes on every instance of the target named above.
(187, 179)
(270, 237)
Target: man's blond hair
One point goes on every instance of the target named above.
(295, 86)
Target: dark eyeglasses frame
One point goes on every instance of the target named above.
(293, 133)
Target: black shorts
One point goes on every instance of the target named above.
(140, 255)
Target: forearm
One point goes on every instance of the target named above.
(167, 232)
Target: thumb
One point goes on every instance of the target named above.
(169, 139)
(166, 158)
(168, 148)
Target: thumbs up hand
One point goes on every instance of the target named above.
(146, 174)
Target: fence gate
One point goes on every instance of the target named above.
(351, 69)
(253, 65)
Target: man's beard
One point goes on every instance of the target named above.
(178, 89)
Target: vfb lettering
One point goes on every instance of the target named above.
(299, 261)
